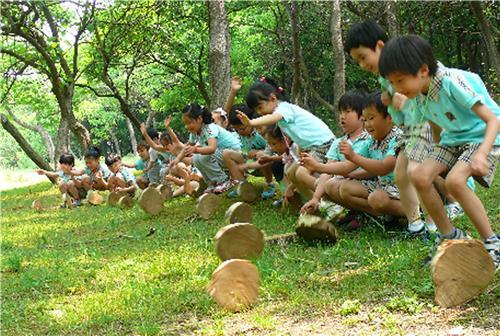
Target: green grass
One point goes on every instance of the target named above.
(93, 270)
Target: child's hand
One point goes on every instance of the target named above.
(346, 149)
(243, 118)
(265, 159)
(167, 121)
(479, 164)
(308, 161)
(119, 189)
(252, 154)
(172, 164)
(190, 150)
(143, 128)
(398, 101)
(310, 207)
(386, 98)
(236, 84)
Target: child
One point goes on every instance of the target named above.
(307, 131)
(253, 145)
(207, 142)
(351, 110)
(143, 151)
(375, 193)
(94, 176)
(121, 178)
(154, 165)
(458, 103)
(65, 175)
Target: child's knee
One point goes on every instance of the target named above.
(378, 200)
(345, 190)
(419, 180)
(455, 184)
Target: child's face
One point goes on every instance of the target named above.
(243, 130)
(350, 121)
(115, 167)
(261, 130)
(65, 167)
(267, 106)
(192, 125)
(410, 85)
(92, 163)
(367, 58)
(375, 123)
(278, 146)
(143, 153)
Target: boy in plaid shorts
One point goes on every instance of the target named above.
(456, 103)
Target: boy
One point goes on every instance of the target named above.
(121, 179)
(458, 103)
(375, 193)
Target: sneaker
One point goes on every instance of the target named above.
(269, 192)
(350, 215)
(233, 193)
(77, 203)
(454, 210)
(278, 203)
(210, 189)
(459, 234)
(431, 227)
(416, 227)
(223, 187)
(330, 209)
(492, 245)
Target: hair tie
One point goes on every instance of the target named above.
(280, 89)
(263, 79)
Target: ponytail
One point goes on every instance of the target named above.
(193, 111)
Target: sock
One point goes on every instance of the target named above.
(493, 238)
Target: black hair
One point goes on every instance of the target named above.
(375, 99)
(262, 90)
(233, 115)
(165, 137)
(353, 99)
(366, 34)
(153, 133)
(93, 153)
(407, 54)
(194, 111)
(111, 158)
(142, 144)
(68, 159)
(273, 131)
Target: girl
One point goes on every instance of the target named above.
(306, 130)
(207, 142)
(121, 178)
(94, 176)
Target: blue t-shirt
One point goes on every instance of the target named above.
(225, 140)
(408, 115)
(253, 141)
(448, 104)
(106, 173)
(379, 150)
(140, 164)
(304, 128)
(63, 176)
(360, 146)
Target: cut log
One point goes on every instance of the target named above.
(235, 284)
(201, 189)
(208, 205)
(114, 197)
(461, 270)
(151, 201)
(238, 212)
(37, 205)
(239, 241)
(126, 202)
(93, 197)
(247, 192)
(165, 191)
(314, 228)
(281, 239)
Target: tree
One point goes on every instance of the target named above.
(338, 53)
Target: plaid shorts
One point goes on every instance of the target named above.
(388, 186)
(449, 156)
(319, 152)
(417, 142)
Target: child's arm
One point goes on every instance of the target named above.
(132, 186)
(209, 149)
(150, 141)
(269, 119)
(128, 165)
(47, 173)
(360, 174)
(313, 203)
(170, 131)
(376, 167)
(479, 162)
(235, 87)
(331, 167)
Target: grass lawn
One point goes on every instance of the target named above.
(93, 271)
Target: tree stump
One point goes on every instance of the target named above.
(247, 192)
(151, 201)
(114, 197)
(165, 191)
(235, 284)
(314, 228)
(126, 202)
(207, 205)
(238, 212)
(202, 186)
(239, 241)
(281, 239)
(94, 198)
(461, 269)
(37, 205)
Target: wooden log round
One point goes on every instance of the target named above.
(165, 191)
(151, 201)
(461, 270)
(114, 197)
(315, 228)
(126, 202)
(239, 241)
(238, 212)
(235, 284)
(247, 192)
(37, 205)
(94, 198)
(208, 205)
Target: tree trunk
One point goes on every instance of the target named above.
(392, 18)
(218, 54)
(296, 87)
(338, 55)
(486, 32)
(62, 140)
(114, 139)
(131, 132)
